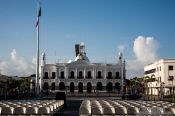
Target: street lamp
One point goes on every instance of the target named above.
(171, 78)
(161, 90)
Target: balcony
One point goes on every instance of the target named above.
(117, 77)
(71, 77)
(80, 77)
(88, 77)
(109, 77)
(53, 78)
(62, 77)
(99, 77)
(45, 77)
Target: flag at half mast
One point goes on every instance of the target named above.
(39, 14)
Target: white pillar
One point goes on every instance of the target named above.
(65, 70)
(76, 73)
(84, 73)
(105, 72)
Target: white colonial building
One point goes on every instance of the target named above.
(162, 73)
(81, 75)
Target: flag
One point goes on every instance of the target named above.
(39, 14)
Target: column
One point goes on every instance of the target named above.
(105, 72)
(84, 73)
(76, 73)
(66, 75)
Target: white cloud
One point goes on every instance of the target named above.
(34, 60)
(4, 68)
(121, 47)
(145, 51)
(18, 65)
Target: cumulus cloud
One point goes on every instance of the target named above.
(4, 68)
(17, 65)
(145, 51)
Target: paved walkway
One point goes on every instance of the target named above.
(71, 108)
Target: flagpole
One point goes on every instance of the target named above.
(37, 56)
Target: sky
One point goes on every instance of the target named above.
(143, 30)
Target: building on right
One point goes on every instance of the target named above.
(159, 77)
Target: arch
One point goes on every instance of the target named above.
(61, 86)
(99, 74)
(117, 86)
(110, 75)
(62, 74)
(89, 74)
(152, 76)
(53, 75)
(80, 87)
(99, 86)
(109, 87)
(46, 86)
(46, 75)
(72, 74)
(80, 75)
(72, 87)
(53, 86)
(89, 87)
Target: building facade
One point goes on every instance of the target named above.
(81, 75)
(161, 73)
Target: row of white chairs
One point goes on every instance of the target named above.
(126, 107)
(30, 107)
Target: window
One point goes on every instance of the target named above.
(46, 86)
(150, 71)
(46, 75)
(53, 75)
(170, 67)
(72, 74)
(109, 75)
(99, 74)
(117, 75)
(89, 74)
(80, 74)
(53, 86)
(62, 74)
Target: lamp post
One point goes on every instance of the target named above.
(161, 91)
(172, 90)
(171, 78)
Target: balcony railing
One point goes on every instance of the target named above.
(109, 77)
(88, 77)
(45, 77)
(117, 77)
(62, 77)
(71, 77)
(80, 77)
(99, 77)
(53, 78)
